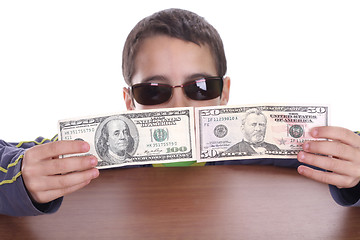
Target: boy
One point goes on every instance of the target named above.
(193, 50)
(164, 57)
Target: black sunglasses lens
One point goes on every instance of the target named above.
(204, 89)
(147, 94)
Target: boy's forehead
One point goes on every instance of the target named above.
(161, 55)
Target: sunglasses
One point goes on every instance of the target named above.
(156, 93)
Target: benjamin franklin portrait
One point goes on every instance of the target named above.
(116, 140)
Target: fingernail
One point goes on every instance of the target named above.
(300, 170)
(314, 132)
(301, 156)
(96, 173)
(85, 147)
(93, 161)
(306, 146)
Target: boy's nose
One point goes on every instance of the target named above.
(179, 99)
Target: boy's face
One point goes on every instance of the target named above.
(166, 60)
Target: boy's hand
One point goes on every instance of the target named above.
(342, 160)
(47, 177)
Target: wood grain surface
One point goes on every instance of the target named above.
(212, 202)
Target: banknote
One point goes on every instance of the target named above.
(255, 131)
(135, 137)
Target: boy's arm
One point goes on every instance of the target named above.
(33, 176)
(348, 197)
(14, 198)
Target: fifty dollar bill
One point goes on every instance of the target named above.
(255, 131)
(135, 137)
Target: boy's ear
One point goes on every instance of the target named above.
(128, 99)
(225, 92)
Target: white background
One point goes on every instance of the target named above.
(62, 59)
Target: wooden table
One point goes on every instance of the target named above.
(212, 202)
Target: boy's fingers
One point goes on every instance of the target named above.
(54, 149)
(337, 133)
(327, 177)
(61, 182)
(68, 180)
(331, 148)
(47, 196)
(327, 163)
(67, 165)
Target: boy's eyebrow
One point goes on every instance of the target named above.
(154, 78)
(196, 76)
(163, 78)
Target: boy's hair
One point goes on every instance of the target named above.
(177, 23)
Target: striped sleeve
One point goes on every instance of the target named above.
(14, 199)
(9, 168)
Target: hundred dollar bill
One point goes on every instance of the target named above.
(135, 137)
(255, 131)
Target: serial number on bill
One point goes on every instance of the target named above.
(79, 131)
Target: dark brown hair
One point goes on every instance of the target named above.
(177, 23)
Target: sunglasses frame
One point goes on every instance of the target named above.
(203, 79)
